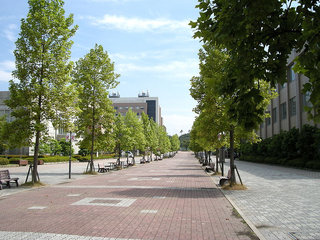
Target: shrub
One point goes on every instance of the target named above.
(306, 142)
(14, 160)
(298, 162)
(58, 159)
(4, 161)
(84, 159)
(289, 143)
(313, 165)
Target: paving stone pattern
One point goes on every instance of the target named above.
(168, 199)
(283, 203)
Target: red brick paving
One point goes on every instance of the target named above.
(193, 208)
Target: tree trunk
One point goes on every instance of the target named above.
(206, 158)
(233, 176)
(217, 160)
(35, 158)
(92, 140)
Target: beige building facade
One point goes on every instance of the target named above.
(287, 109)
(142, 103)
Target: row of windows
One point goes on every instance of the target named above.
(292, 109)
(123, 114)
(126, 108)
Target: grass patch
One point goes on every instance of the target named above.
(234, 187)
(30, 184)
(91, 173)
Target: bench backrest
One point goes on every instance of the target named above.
(229, 174)
(4, 174)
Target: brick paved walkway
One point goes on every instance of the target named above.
(283, 203)
(168, 199)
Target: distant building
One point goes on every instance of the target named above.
(287, 110)
(142, 103)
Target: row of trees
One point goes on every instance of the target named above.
(241, 63)
(132, 134)
(50, 89)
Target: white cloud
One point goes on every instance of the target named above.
(139, 24)
(6, 68)
(179, 69)
(9, 32)
(176, 122)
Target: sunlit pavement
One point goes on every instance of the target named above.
(168, 199)
(282, 203)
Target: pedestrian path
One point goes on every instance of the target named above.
(168, 199)
(283, 203)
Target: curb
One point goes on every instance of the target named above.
(250, 224)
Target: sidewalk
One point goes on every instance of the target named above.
(282, 203)
(168, 199)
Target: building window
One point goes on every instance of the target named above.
(268, 121)
(306, 100)
(282, 86)
(274, 115)
(61, 131)
(283, 111)
(116, 108)
(120, 108)
(292, 106)
(137, 107)
(262, 125)
(291, 74)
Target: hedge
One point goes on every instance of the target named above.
(290, 148)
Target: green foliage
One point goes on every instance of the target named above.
(175, 143)
(94, 76)
(41, 90)
(135, 131)
(184, 141)
(65, 147)
(258, 46)
(290, 148)
(122, 136)
(4, 161)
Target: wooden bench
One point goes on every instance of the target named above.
(23, 162)
(102, 168)
(210, 168)
(6, 179)
(142, 160)
(223, 180)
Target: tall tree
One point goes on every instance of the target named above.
(42, 70)
(122, 136)
(260, 43)
(136, 133)
(149, 133)
(216, 109)
(175, 143)
(94, 75)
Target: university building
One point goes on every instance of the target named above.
(287, 109)
(142, 103)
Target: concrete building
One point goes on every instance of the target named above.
(287, 110)
(57, 134)
(142, 103)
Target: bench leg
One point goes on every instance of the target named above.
(8, 184)
(17, 183)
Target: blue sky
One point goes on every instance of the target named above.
(149, 41)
